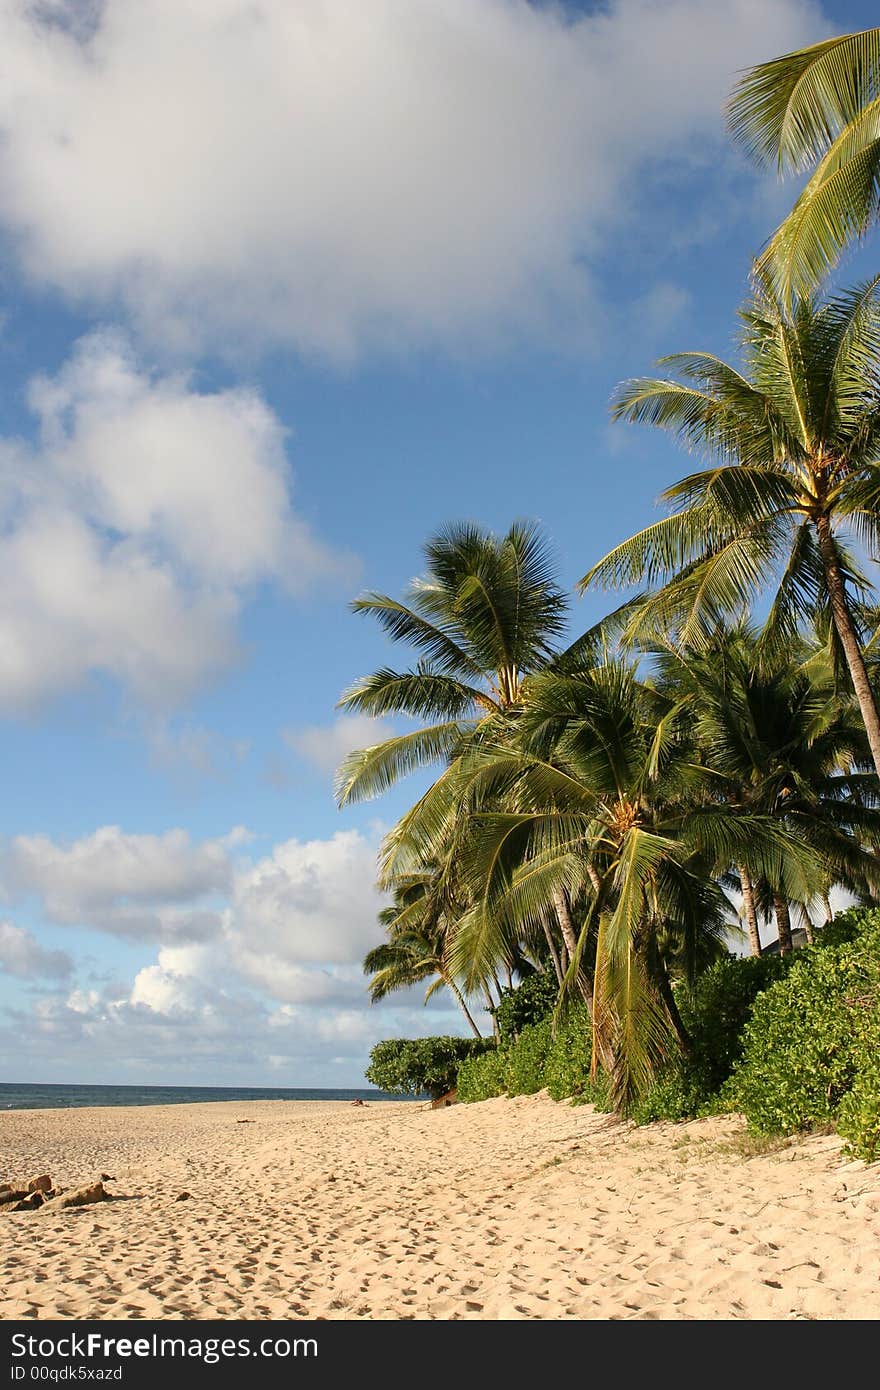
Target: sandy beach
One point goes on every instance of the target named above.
(509, 1209)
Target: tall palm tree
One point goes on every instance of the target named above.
(610, 802)
(816, 109)
(416, 927)
(487, 613)
(780, 739)
(795, 438)
(486, 616)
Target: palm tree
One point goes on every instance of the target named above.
(782, 740)
(415, 951)
(487, 614)
(816, 109)
(795, 437)
(610, 803)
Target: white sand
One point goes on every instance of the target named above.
(509, 1209)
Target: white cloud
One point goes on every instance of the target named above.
(294, 922)
(22, 955)
(308, 902)
(182, 977)
(160, 507)
(326, 745)
(202, 477)
(63, 621)
(143, 887)
(190, 1032)
(162, 990)
(82, 1001)
(337, 175)
(280, 973)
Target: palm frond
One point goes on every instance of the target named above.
(367, 772)
(422, 693)
(789, 110)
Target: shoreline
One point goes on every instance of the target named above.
(239, 1095)
(520, 1208)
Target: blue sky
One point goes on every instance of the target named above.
(284, 289)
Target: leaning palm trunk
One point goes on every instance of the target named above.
(448, 980)
(665, 990)
(490, 1009)
(783, 923)
(748, 895)
(566, 926)
(848, 639)
(551, 946)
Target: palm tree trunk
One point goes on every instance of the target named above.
(551, 946)
(667, 994)
(490, 1003)
(808, 928)
(461, 1004)
(566, 926)
(848, 638)
(826, 903)
(748, 893)
(783, 923)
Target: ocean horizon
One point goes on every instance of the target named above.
(66, 1095)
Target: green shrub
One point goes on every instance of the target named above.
(793, 1041)
(673, 1096)
(527, 1058)
(859, 1117)
(411, 1067)
(810, 1048)
(597, 1093)
(529, 1002)
(779, 1090)
(483, 1077)
(535, 1060)
(715, 1013)
(567, 1068)
(847, 926)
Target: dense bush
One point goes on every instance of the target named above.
(792, 1041)
(715, 1014)
(483, 1077)
(535, 1060)
(567, 1068)
(411, 1067)
(811, 1047)
(675, 1096)
(859, 1117)
(847, 926)
(797, 1061)
(527, 1058)
(528, 1003)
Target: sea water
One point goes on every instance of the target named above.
(24, 1096)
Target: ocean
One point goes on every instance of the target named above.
(23, 1096)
